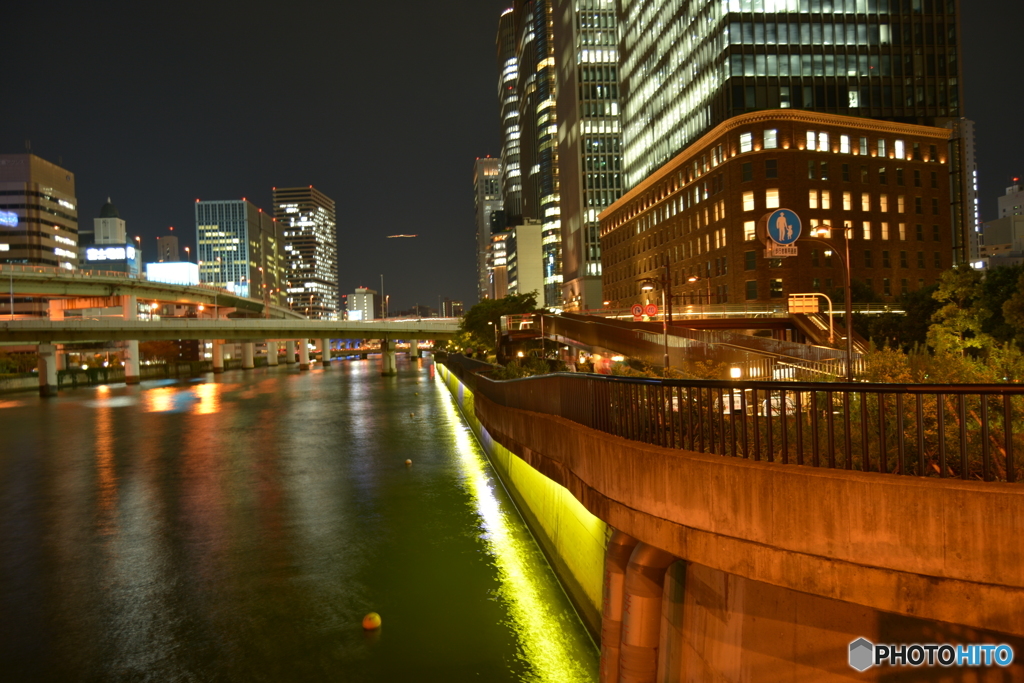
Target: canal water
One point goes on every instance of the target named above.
(238, 527)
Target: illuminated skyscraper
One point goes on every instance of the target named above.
(238, 248)
(308, 224)
(589, 154)
(529, 31)
(486, 201)
(690, 65)
(508, 98)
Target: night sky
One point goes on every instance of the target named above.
(383, 106)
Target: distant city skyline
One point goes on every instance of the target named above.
(188, 125)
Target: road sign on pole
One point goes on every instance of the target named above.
(638, 312)
(651, 310)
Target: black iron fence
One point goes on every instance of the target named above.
(970, 431)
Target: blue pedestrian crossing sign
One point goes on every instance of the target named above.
(783, 227)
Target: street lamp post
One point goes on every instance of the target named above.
(818, 235)
(665, 282)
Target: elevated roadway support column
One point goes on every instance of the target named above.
(271, 354)
(325, 354)
(414, 348)
(218, 357)
(248, 349)
(303, 354)
(132, 367)
(388, 367)
(289, 352)
(641, 623)
(616, 560)
(131, 362)
(47, 365)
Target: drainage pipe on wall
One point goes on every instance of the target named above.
(616, 559)
(641, 621)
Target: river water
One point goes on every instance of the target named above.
(238, 527)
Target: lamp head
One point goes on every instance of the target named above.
(692, 278)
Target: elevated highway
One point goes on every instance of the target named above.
(55, 283)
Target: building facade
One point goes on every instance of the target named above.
(486, 202)
(107, 246)
(689, 65)
(497, 265)
(885, 184)
(589, 153)
(364, 304)
(529, 30)
(524, 248)
(38, 213)
(167, 249)
(1012, 202)
(308, 224)
(238, 247)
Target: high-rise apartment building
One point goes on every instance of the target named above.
(307, 221)
(529, 30)
(38, 213)
(486, 202)
(1012, 202)
(239, 249)
(589, 154)
(364, 304)
(508, 99)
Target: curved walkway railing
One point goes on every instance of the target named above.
(971, 431)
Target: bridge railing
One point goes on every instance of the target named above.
(970, 431)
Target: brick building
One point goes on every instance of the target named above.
(888, 183)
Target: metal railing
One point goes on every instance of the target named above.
(970, 431)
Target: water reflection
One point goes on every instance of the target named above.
(551, 651)
(239, 528)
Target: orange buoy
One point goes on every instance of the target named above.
(371, 621)
(408, 462)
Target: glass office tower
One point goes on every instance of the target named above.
(308, 224)
(238, 249)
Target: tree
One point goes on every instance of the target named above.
(901, 330)
(957, 325)
(1013, 311)
(480, 321)
(999, 287)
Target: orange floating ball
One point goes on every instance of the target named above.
(371, 621)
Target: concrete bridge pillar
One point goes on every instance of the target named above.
(248, 349)
(47, 365)
(61, 359)
(132, 367)
(641, 623)
(388, 367)
(130, 311)
(616, 560)
(303, 354)
(414, 348)
(271, 354)
(218, 356)
(289, 352)
(325, 354)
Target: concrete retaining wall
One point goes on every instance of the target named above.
(572, 539)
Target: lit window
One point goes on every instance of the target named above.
(823, 142)
(826, 199)
(812, 199)
(867, 229)
(847, 201)
(749, 230)
(899, 149)
(771, 198)
(864, 146)
(900, 204)
(881, 148)
(903, 231)
(885, 231)
(812, 140)
(865, 202)
(748, 201)
(883, 202)
(746, 142)
(771, 139)
(844, 144)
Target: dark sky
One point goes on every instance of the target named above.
(381, 105)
